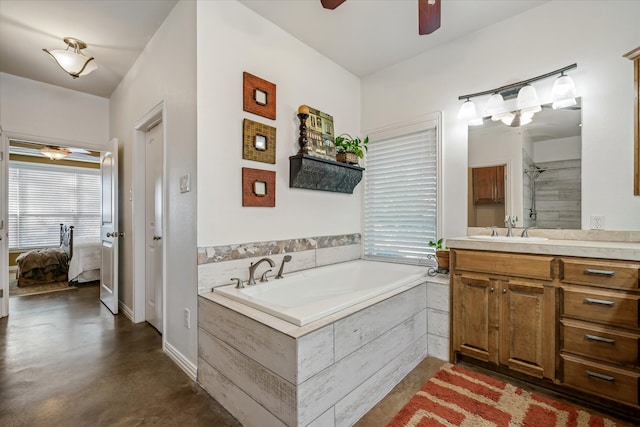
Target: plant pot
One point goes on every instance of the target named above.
(350, 158)
(443, 259)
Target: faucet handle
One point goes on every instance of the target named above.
(494, 232)
(263, 278)
(525, 232)
(239, 284)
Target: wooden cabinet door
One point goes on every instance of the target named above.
(488, 185)
(475, 317)
(527, 328)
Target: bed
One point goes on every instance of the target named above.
(86, 261)
(48, 265)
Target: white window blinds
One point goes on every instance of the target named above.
(400, 200)
(43, 196)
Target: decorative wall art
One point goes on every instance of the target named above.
(258, 96)
(258, 188)
(320, 134)
(259, 142)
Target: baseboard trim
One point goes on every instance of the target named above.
(125, 310)
(185, 364)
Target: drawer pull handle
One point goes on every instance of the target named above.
(600, 272)
(600, 376)
(599, 301)
(600, 339)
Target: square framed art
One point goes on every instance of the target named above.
(258, 96)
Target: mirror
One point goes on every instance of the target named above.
(542, 170)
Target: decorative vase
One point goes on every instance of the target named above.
(350, 158)
(443, 259)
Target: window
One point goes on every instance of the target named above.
(43, 196)
(401, 192)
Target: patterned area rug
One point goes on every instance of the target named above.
(458, 397)
(16, 291)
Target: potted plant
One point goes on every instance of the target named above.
(350, 149)
(442, 254)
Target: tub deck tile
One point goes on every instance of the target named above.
(325, 389)
(254, 339)
(360, 328)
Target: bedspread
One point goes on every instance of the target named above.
(87, 257)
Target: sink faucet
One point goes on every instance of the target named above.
(525, 232)
(253, 266)
(510, 222)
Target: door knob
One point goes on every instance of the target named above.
(157, 237)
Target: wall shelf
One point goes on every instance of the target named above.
(315, 173)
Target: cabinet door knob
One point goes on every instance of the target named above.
(504, 291)
(491, 290)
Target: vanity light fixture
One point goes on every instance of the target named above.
(527, 104)
(72, 60)
(563, 93)
(468, 114)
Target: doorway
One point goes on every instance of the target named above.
(153, 232)
(149, 219)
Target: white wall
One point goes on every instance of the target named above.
(233, 39)
(593, 34)
(43, 111)
(165, 71)
(557, 149)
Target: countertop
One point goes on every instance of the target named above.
(629, 251)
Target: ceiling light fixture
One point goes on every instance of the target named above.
(72, 60)
(563, 95)
(55, 153)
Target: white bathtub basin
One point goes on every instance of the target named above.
(514, 239)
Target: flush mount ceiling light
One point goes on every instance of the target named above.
(563, 95)
(72, 60)
(55, 153)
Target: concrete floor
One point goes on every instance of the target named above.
(65, 360)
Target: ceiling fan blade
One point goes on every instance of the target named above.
(428, 16)
(331, 4)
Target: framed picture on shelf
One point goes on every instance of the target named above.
(320, 134)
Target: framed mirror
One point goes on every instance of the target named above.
(542, 163)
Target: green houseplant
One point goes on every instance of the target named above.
(442, 254)
(350, 149)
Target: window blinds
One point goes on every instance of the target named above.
(400, 200)
(43, 196)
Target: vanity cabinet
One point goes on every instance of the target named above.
(503, 309)
(572, 321)
(488, 185)
(600, 327)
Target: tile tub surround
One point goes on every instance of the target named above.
(329, 372)
(218, 264)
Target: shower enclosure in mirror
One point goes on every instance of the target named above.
(542, 170)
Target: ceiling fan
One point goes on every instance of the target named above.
(428, 14)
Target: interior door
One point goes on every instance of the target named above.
(153, 217)
(4, 213)
(109, 228)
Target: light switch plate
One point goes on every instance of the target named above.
(185, 183)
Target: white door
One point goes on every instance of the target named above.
(109, 228)
(153, 219)
(4, 212)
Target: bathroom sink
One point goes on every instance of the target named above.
(513, 239)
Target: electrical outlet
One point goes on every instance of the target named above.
(187, 318)
(597, 222)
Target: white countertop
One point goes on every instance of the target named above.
(629, 251)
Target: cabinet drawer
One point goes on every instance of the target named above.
(609, 307)
(600, 343)
(505, 264)
(607, 381)
(610, 274)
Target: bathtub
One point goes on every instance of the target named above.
(309, 295)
